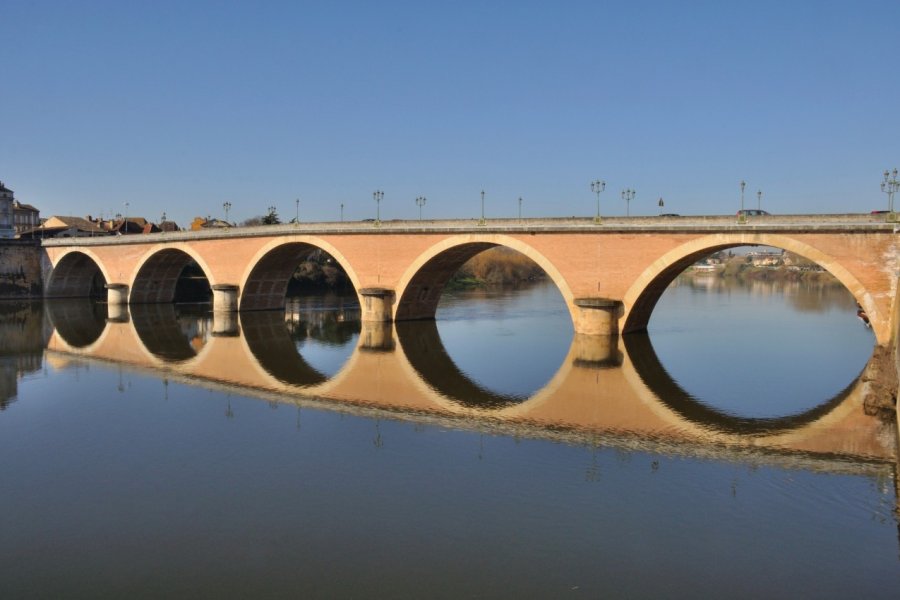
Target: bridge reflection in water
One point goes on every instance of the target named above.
(607, 390)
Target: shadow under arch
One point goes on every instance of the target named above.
(159, 279)
(420, 288)
(421, 344)
(643, 295)
(158, 329)
(78, 321)
(654, 375)
(76, 275)
(266, 285)
(271, 343)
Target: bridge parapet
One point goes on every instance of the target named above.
(699, 223)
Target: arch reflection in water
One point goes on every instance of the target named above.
(79, 321)
(500, 345)
(759, 349)
(636, 401)
(425, 351)
(279, 341)
(173, 333)
(655, 376)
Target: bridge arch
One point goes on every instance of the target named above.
(264, 282)
(157, 272)
(421, 285)
(648, 288)
(77, 273)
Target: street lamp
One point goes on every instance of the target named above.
(297, 214)
(420, 202)
(481, 222)
(628, 196)
(661, 204)
(520, 208)
(758, 199)
(598, 186)
(227, 207)
(890, 186)
(377, 195)
(342, 212)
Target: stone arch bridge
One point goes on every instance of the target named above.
(610, 275)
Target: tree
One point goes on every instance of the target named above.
(252, 221)
(272, 217)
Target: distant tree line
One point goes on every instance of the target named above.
(319, 272)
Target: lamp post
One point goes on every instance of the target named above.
(481, 222)
(377, 195)
(758, 199)
(890, 186)
(297, 214)
(628, 196)
(598, 186)
(520, 208)
(661, 204)
(420, 202)
(342, 212)
(125, 218)
(227, 207)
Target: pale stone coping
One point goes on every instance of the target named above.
(597, 303)
(377, 292)
(686, 224)
(225, 287)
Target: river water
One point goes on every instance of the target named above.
(168, 453)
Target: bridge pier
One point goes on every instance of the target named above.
(116, 293)
(376, 336)
(225, 323)
(596, 351)
(597, 316)
(377, 304)
(117, 302)
(225, 297)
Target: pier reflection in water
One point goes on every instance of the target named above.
(600, 384)
(474, 479)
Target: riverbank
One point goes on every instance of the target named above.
(497, 266)
(799, 270)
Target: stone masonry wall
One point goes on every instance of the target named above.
(20, 270)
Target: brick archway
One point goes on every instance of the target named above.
(645, 292)
(265, 280)
(74, 273)
(420, 287)
(157, 274)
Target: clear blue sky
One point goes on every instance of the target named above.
(181, 106)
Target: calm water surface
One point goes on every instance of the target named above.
(486, 455)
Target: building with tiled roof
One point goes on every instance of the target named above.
(25, 217)
(6, 212)
(67, 227)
